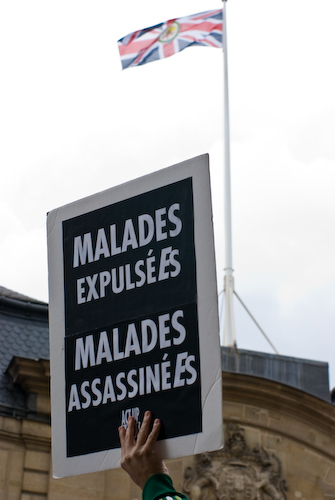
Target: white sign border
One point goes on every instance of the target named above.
(211, 437)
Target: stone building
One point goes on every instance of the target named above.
(278, 418)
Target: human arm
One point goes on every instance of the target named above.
(141, 461)
(160, 487)
(138, 456)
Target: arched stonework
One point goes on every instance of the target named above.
(235, 473)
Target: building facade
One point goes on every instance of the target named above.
(278, 419)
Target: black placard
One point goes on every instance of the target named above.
(131, 320)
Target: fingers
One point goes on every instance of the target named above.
(122, 435)
(144, 430)
(130, 433)
(152, 438)
(127, 436)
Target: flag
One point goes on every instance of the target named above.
(166, 39)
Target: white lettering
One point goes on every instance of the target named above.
(115, 287)
(175, 263)
(146, 325)
(84, 351)
(104, 351)
(91, 284)
(140, 273)
(108, 391)
(96, 392)
(74, 401)
(120, 385)
(166, 375)
(178, 327)
(101, 246)
(175, 220)
(145, 219)
(114, 248)
(152, 379)
(117, 353)
(132, 383)
(86, 394)
(105, 279)
(151, 270)
(180, 369)
(160, 224)
(129, 236)
(191, 370)
(80, 291)
(163, 331)
(129, 284)
(82, 250)
(132, 343)
(164, 262)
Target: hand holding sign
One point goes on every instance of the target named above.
(138, 456)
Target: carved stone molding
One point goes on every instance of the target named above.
(235, 473)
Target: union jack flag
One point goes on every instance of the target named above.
(166, 39)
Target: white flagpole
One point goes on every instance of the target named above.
(229, 335)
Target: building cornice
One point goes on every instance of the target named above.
(283, 404)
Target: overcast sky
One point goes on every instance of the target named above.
(72, 124)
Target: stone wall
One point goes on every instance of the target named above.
(289, 445)
(280, 445)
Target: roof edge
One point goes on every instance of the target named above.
(23, 309)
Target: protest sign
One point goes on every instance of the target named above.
(133, 319)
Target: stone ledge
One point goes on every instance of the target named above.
(32, 375)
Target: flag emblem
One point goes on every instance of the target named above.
(170, 33)
(166, 39)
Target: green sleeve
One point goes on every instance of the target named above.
(160, 487)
